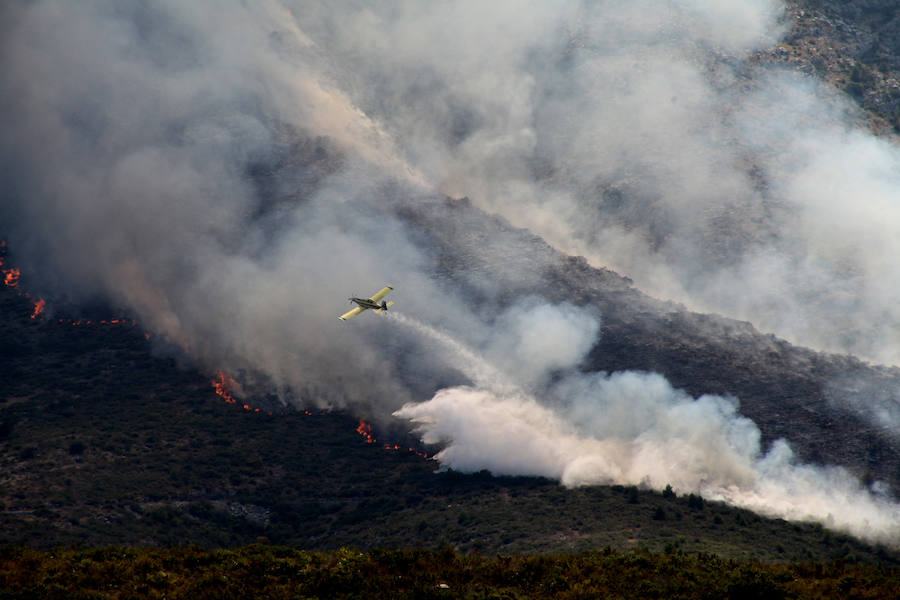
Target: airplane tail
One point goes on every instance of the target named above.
(384, 306)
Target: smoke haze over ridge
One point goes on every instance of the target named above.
(633, 428)
(226, 173)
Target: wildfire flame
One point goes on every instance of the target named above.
(223, 385)
(11, 277)
(77, 322)
(365, 429)
(38, 308)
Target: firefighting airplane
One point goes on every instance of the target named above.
(367, 303)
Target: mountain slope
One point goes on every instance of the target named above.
(790, 392)
(853, 46)
(230, 228)
(102, 443)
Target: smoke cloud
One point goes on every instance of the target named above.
(633, 428)
(641, 136)
(226, 172)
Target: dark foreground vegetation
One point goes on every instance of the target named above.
(259, 571)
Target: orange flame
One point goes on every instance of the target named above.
(223, 384)
(365, 430)
(11, 277)
(38, 307)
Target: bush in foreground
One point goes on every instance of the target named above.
(260, 571)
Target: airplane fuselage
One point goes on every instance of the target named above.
(371, 303)
(365, 303)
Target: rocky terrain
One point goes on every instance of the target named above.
(854, 47)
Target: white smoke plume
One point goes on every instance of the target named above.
(469, 362)
(224, 171)
(633, 428)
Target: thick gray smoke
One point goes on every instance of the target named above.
(635, 134)
(639, 135)
(226, 171)
(138, 143)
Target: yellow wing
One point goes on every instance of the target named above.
(351, 313)
(381, 293)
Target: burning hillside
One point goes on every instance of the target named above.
(254, 165)
(10, 274)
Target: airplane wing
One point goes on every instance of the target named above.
(351, 313)
(381, 293)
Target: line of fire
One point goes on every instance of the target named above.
(365, 430)
(225, 387)
(11, 277)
